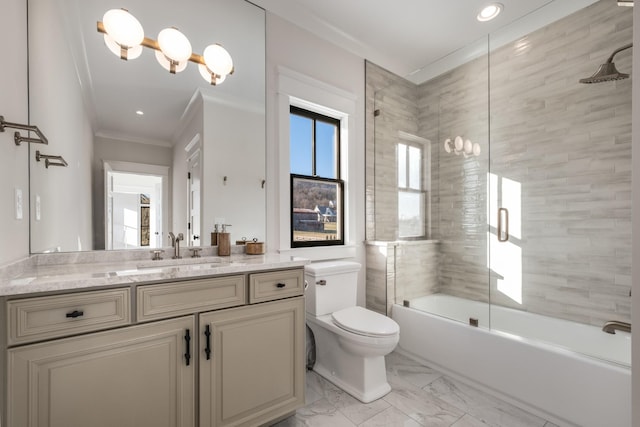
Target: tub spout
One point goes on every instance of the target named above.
(613, 326)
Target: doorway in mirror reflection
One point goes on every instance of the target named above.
(135, 208)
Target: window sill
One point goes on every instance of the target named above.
(320, 253)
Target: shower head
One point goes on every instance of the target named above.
(607, 71)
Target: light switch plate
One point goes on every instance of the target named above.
(37, 207)
(18, 203)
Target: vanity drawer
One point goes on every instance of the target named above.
(40, 318)
(178, 298)
(275, 285)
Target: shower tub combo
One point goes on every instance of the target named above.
(556, 159)
(569, 383)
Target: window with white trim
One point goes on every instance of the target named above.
(411, 192)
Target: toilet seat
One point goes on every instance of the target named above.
(365, 322)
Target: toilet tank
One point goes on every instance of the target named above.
(341, 287)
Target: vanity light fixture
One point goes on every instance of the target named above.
(625, 3)
(124, 36)
(459, 145)
(489, 12)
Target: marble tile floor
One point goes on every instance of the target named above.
(420, 396)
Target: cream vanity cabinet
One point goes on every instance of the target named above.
(203, 352)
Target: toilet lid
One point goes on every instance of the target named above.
(365, 322)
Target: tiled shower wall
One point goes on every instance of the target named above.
(396, 270)
(567, 146)
(393, 102)
(457, 104)
(399, 271)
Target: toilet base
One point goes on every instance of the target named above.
(364, 396)
(342, 362)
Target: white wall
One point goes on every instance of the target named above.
(14, 243)
(295, 49)
(65, 192)
(233, 148)
(635, 260)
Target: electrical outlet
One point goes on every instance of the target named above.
(18, 203)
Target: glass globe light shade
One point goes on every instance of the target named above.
(132, 52)
(458, 143)
(447, 145)
(123, 28)
(476, 149)
(174, 45)
(468, 147)
(206, 74)
(218, 59)
(164, 62)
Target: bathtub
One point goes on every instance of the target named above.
(568, 387)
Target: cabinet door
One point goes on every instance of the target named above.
(255, 371)
(131, 377)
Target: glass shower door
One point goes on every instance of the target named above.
(559, 183)
(430, 163)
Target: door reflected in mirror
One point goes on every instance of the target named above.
(136, 208)
(120, 123)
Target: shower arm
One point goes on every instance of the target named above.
(620, 49)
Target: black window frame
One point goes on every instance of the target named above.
(317, 117)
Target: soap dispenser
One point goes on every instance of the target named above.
(214, 235)
(224, 241)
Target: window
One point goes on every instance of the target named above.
(316, 188)
(411, 195)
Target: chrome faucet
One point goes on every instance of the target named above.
(612, 326)
(175, 243)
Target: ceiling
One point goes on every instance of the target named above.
(417, 39)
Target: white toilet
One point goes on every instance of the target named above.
(351, 341)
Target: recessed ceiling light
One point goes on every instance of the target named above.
(140, 113)
(489, 12)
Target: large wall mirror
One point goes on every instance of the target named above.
(147, 152)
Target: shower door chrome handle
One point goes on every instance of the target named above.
(503, 227)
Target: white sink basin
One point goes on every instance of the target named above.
(169, 262)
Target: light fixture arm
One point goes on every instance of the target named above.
(153, 44)
(17, 138)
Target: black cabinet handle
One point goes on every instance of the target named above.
(280, 285)
(207, 349)
(74, 314)
(187, 339)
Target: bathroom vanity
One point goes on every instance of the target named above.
(105, 344)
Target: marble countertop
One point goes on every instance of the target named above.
(47, 273)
